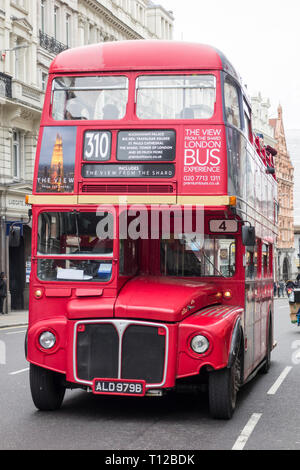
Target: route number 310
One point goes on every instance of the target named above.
(97, 145)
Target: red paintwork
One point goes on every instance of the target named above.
(137, 55)
(216, 324)
(170, 302)
(186, 307)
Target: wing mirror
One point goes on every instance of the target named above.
(248, 235)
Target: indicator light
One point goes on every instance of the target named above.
(38, 293)
(232, 200)
(227, 294)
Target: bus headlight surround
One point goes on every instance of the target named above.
(199, 344)
(47, 340)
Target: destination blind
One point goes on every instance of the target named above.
(146, 145)
(115, 170)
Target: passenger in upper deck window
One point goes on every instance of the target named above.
(110, 111)
(84, 105)
(90, 108)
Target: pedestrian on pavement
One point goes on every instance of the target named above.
(3, 291)
(278, 289)
(281, 287)
(275, 289)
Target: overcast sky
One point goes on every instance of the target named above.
(261, 38)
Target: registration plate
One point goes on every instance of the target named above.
(119, 387)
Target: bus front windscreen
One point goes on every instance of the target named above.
(75, 246)
(185, 257)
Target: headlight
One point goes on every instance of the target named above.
(47, 340)
(199, 344)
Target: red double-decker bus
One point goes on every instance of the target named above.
(154, 222)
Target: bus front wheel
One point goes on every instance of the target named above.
(222, 388)
(47, 389)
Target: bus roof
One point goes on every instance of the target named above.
(140, 55)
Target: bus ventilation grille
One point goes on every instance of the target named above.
(143, 353)
(127, 188)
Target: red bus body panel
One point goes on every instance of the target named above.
(174, 299)
(137, 55)
(206, 168)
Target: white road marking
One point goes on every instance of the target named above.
(15, 332)
(10, 328)
(246, 432)
(19, 371)
(279, 381)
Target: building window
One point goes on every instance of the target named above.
(56, 9)
(16, 157)
(43, 7)
(44, 80)
(68, 25)
(21, 3)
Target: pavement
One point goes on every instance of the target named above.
(14, 318)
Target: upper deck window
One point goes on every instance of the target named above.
(92, 98)
(232, 107)
(175, 96)
(247, 119)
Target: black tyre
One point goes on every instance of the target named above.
(47, 389)
(222, 389)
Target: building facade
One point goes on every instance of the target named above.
(260, 119)
(285, 178)
(272, 133)
(32, 32)
(293, 142)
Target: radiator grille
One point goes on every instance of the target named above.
(97, 352)
(142, 352)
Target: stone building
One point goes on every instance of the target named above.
(32, 32)
(260, 119)
(293, 142)
(272, 133)
(285, 178)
